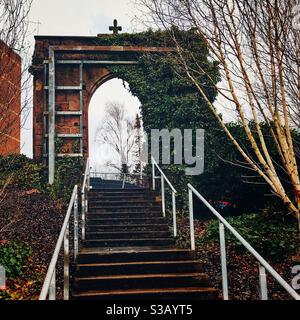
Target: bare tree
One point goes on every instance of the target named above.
(258, 52)
(118, 132)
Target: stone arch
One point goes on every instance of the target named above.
(67, 71)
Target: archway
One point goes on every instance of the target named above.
(67, 71)
(112, 91)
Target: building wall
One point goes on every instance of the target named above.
(10, 100)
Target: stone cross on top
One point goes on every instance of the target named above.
(115, 28)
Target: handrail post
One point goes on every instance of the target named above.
(88, 175)
(163, 200)
(52, 287)
(263, 283)
(174, 214)
(223, 261)
(124, 180)
(153, 175)
(141, 173)
(66, 265)
(191, 211)
(76, 242)
(83, 204)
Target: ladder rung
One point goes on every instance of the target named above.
(65, 87)
(103, 62)
(65, 113)
(61, 155)
(69, 113)
(66, 135)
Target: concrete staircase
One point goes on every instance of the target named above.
(130, 253)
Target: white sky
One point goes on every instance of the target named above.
(112, 90)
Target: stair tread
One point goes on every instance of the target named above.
(131, 218)
(126, 207)
(114, 190)
(142, 291)
(121, 201)
(132, 250)
(126, 212)
(138, 263)
(124, 232)
(128, 239)
(131, 225)
(144, 276)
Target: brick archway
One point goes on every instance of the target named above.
(67, 71)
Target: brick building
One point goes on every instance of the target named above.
(10, 100)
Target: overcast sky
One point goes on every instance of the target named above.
(86, 18)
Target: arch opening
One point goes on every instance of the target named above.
(104, 157)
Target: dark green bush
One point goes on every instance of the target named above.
(68, 172)
(13, 256)
(21, 172)
(271, 237)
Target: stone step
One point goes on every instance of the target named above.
(98, 255)
(127, 235)
(122, 198)
(143, 208)
(129, 242)
(118, 190)
(134, 268)
(134, 227)
(143, 281)
(111, 220)
(121, 203)
(187, 293)
(120, 214)
(124, 193)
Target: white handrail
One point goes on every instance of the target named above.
(49, 286)
(162, 173)
(86, 176)
(84, 197)
(164, 178)
(264, 265)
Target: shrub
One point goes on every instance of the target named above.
(67, 173)
(13, 256)
(21, 172)
(271, 237)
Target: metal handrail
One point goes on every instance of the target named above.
(164, 178)
(84, 197)
(162, 173)
(124, 181)
(263, 264)
(49, 286)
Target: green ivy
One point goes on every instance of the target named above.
(67, 174)
(13, 256)
(21, 172)
(271, 237)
